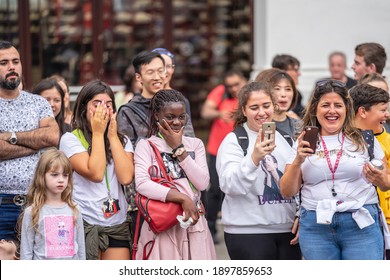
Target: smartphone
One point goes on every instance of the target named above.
(311, 136)
(268, 132)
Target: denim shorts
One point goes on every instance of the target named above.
(342, 239)
(9, 214)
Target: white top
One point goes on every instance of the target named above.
(350, 185)
(90, 195)
(252, 204)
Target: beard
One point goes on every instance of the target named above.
(9, 84)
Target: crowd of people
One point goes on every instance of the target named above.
(69, 179)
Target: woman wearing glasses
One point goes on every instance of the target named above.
(340, 217)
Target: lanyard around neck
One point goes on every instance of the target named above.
(336, 164)
(107, 183)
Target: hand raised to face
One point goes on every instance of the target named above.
(100, 118)
(172, 137)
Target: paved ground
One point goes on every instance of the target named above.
(221, 248)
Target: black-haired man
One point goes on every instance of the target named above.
(27, 126)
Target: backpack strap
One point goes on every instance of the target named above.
(286, 136)
(242, 138)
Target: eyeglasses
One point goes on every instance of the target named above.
(333, 83)
(160, 72)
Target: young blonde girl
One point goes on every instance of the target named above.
(52, 226)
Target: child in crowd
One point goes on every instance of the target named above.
(102, 160)
(370, 105)
(377, 80)
(52, 226)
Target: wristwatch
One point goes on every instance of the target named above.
(13, 139)
(175, 150)
(179, 152)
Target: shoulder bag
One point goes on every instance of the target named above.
(160, 216)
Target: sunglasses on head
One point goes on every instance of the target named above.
(333, 83)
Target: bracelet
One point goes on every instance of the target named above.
(178, 147)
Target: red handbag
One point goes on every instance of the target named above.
(160, 216)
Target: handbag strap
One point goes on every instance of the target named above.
(138, 221)
(160, 162)
(146, 255)
(136, 235)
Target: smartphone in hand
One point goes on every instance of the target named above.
(311, 136)
(268, 132)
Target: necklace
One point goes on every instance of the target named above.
(336, 164)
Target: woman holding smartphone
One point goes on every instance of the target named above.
(340, 215)
(257, 224)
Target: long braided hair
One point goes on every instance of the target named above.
(161, 99)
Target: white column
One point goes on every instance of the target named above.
(259, 40)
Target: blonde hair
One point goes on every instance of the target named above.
(50, 160)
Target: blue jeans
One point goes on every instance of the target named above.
(9, 214)
(342, 239)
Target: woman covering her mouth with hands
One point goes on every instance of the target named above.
(340, 215)
(102, 160)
